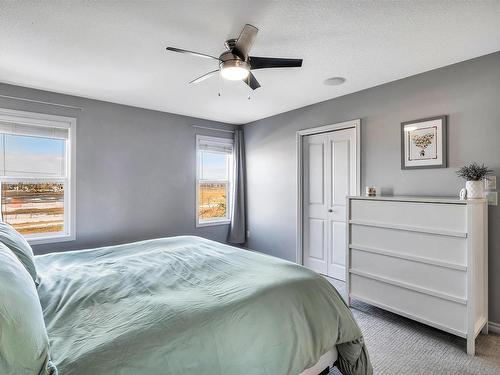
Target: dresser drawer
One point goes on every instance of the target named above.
(437, 312)
(432, 216)
(426, 245)
(428, 277)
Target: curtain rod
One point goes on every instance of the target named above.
(208, 128)
(41, 102)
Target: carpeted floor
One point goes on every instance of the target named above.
(399, 346)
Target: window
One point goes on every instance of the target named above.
(36, 187)
(214, 179)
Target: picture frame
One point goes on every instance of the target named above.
(424, 143)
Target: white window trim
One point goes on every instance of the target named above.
(41, 119)
(197, 180)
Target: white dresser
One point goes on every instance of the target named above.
(424, 258)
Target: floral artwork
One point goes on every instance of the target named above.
(423, 143)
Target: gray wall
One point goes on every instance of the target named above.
(468, 92)
(135, 170)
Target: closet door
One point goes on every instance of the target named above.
(315, 200)
(342, 183)
(328, 177)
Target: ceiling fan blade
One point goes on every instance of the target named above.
(252, 82)
(273, 62)
(245, 41)
(204, 76)
(173, 49)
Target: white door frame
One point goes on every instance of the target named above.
(356, 124)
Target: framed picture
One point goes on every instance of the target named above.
(424, 143)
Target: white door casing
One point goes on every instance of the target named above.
(330, 172)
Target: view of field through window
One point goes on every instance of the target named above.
(33, 180)
(33, 207)
(214, 161)
(212, 200)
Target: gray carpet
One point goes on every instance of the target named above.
(399, 346)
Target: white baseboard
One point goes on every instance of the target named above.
(494, 327)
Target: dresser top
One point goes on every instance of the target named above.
(413, 198)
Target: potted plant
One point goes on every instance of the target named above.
(474, 175)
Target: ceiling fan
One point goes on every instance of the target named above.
(236, 64)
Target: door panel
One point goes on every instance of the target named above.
(329, 166)
(316, 239)
(340, 171)
(316, 173)
(336, 265)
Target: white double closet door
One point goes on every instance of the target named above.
(329, 175)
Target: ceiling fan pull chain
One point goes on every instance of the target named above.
(219, 78)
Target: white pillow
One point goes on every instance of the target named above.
(19, 246)
(24, 344)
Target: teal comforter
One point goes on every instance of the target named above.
(186, 305)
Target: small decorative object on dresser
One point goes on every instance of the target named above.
(423, 143)
(474, 175)
(463, 194)
(424, 258)
(371, 191)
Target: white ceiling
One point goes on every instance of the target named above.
(115, 51)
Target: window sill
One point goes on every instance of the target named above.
(212, 223)
(50, 239)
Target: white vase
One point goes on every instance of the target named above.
(475, 189)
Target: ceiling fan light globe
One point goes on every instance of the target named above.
(234, 73)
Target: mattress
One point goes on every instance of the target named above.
(324, 362)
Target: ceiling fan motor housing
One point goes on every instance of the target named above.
(230, 60)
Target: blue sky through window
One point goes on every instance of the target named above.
(25, 155)
(213, 166)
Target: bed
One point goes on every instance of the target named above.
(187, 305)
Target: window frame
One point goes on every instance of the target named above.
(53, 121)
(227, 220)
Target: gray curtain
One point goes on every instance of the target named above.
(237, 231)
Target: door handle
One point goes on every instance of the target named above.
(330, 210)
